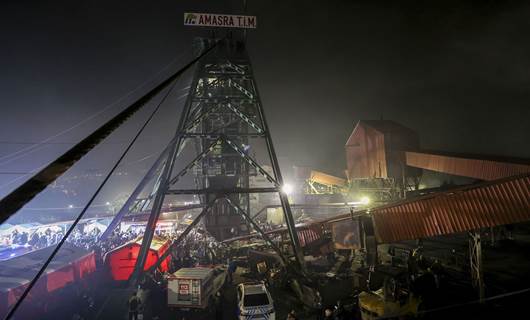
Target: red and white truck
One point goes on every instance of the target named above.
(194, 288)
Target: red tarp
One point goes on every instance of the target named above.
(122, 260)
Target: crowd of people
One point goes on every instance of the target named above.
(37, 239)
(198, 247)
(82, 237)
(92, 240)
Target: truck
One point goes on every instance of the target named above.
(194, 288)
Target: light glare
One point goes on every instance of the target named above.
(365, 200)
(287, 189)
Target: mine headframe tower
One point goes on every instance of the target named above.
(222, 140)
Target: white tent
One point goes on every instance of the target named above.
(53, 228)
(6, 229)
(89, 227)
(5, 226)
(26, 227)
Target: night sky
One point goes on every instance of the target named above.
(455, 71)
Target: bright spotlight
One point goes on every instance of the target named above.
(365, 200)
(287, 189)
(70, 206)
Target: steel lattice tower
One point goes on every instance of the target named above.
(224, 123)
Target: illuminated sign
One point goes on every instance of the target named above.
(220, 20)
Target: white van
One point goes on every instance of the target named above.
(254, 302)
(193, 288)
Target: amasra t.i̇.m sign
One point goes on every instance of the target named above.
(219, 20)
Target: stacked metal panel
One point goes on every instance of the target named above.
(501, 202)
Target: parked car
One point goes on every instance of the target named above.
(255, 302)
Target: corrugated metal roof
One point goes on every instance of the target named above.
(484, 205)
(487, 168)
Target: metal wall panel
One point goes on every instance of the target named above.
(375, 149)
(483, 169)
(365, 153)
(485, 205)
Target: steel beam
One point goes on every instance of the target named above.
(183, 235)
(288, 215)
(164, 185)
(139, 188)
(217, 135)
(222, 191)
(258, 229)
(194, 162)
